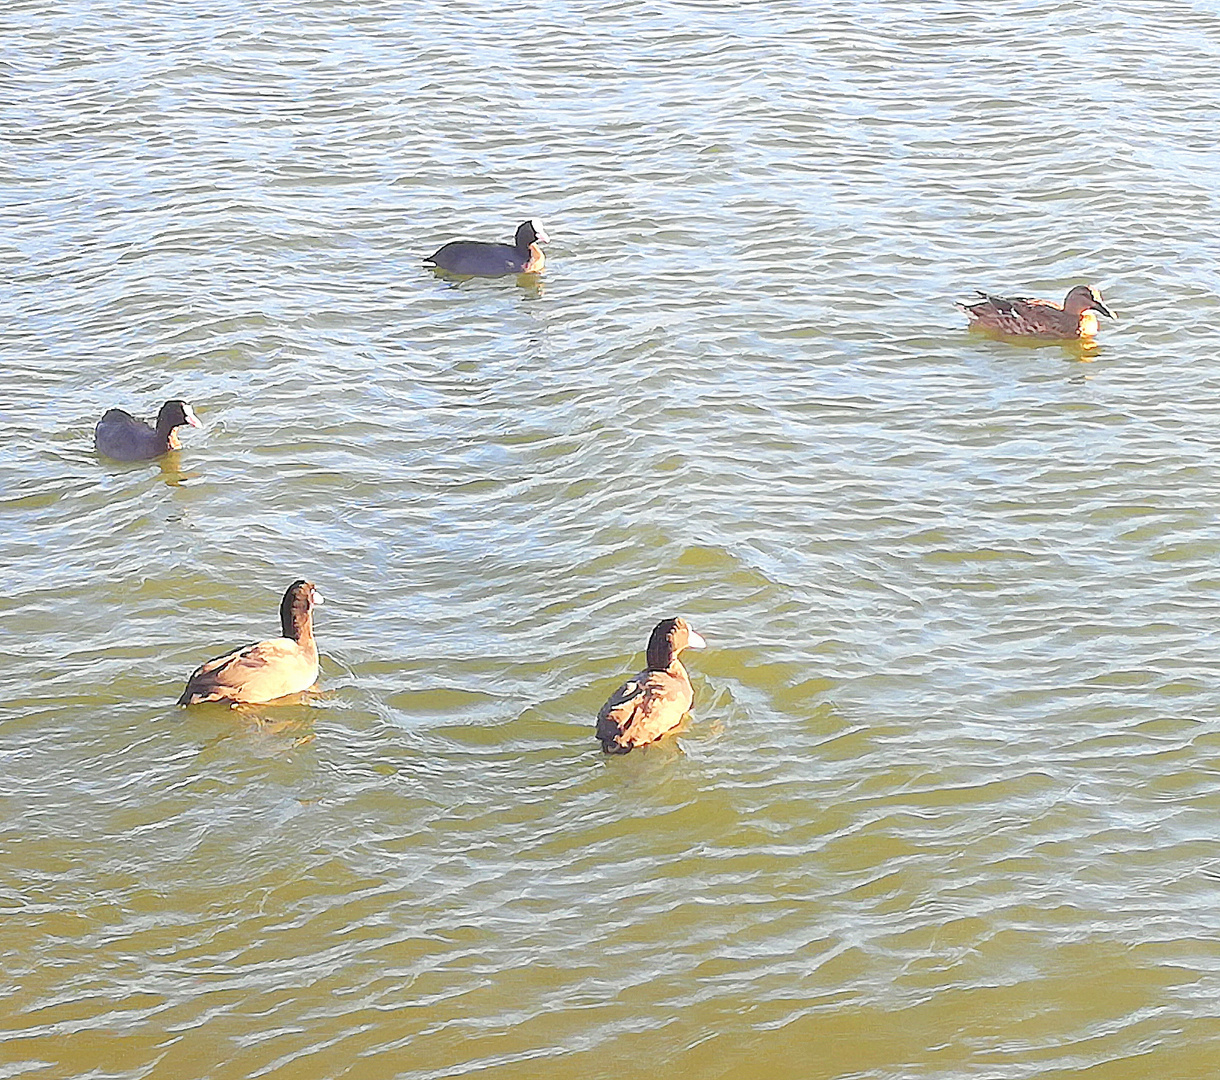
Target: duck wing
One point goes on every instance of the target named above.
(121, 436)
(1009, 305)
(1021, 316)
(260, 671)
(477, 258)
(642, 710)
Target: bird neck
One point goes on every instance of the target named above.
(297, 625)
(535, 262)
(661, 658)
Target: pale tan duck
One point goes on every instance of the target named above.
(655, 701)
(1023, 316)
(264, 670)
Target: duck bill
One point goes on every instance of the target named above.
(695, 641)
(191, 418)
(317, 599)
(1099, 306)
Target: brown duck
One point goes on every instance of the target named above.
(646, 707)
(264, 670)
(1022, 316)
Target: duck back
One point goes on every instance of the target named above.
(259, 672)
(479, 259)
(645, 708)
(121, 436)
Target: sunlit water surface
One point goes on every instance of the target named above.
(949, 804)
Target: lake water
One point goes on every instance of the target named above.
(949, 805)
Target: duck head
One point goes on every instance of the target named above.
(530, 232)
(296, 609)
(669, 638)
(1085, 298)
(174, 413)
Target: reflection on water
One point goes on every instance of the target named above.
(172, 470)
(1084, 349)
(531, 284)
(295, 731)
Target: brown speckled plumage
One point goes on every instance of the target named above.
(1023, 316)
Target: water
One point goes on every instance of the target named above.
(947, 807)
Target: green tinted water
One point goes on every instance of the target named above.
(948, 804)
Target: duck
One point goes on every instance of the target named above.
(654, 702)
(264, 670)
(121, 436)
(481, 259)
(1023, 316)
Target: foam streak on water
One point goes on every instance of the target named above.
(948, 807)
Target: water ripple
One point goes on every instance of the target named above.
(946, 806)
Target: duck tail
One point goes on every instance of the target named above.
(611, 746)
